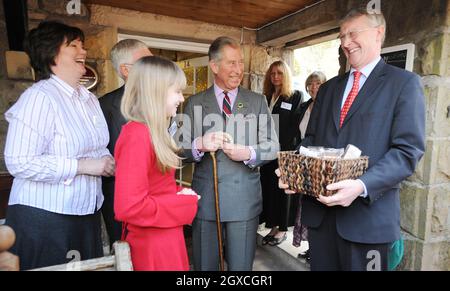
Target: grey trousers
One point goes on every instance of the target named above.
(239, 239)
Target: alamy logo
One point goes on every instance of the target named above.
(74, 7)
(74, 264)
(374, 260)
(374, 7)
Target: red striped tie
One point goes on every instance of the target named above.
(350, 98)
(226, 107)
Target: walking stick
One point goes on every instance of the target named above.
(216, 199)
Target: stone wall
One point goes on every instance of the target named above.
(9, 90)
(425, 197)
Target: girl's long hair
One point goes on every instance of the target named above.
(144, 101)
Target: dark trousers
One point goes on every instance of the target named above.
(113, 227)
(45, 238)
(330, 252)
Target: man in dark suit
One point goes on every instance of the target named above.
(380, 109)
(123, 55)
(237, 125)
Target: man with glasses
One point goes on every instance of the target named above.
(380, 109)
(123, 55)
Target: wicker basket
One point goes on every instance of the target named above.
(310, 176)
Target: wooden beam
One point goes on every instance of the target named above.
(322, 17)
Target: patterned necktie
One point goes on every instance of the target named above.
(351, 97)
(226, 107)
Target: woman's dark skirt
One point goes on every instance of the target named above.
(279, 209)
(45, 238)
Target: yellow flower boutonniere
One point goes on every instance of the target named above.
(240, 105)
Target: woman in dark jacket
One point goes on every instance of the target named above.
(279, 209)
(312, 85)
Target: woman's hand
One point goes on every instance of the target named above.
(105, 166)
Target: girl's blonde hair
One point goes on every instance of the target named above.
(286, 88)
(144, 101)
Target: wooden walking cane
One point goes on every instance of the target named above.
(216, 199)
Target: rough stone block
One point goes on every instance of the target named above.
(98, 43)
(107, 76)
(260, 60)
(425, 256)
(437, 100)
(18, 66)
(413, 209)
(32, 4)
(256, 83)
(440, 212)
(148, 23)
(435, 56)
(412, 256)
(434, 167)
(436, 256)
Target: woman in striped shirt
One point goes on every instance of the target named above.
(56, 151)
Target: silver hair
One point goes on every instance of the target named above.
(376, 18)
(122, 52)
(315, 76)
(215, 49)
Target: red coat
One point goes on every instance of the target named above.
(145, 200)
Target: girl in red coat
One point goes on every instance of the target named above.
(147, 200)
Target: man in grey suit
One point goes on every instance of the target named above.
(236, 124)
(380, 109)
(123, 55)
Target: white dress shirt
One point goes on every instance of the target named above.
(51, 127)
(365, 73)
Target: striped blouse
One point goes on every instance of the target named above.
(51, 127)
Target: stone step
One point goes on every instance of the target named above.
(277, 258)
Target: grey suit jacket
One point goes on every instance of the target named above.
(239, 184)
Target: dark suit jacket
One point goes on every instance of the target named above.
(300, 113)
(110, 104)
(387, 122)
(286, 121)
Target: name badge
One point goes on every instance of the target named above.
(287, 106)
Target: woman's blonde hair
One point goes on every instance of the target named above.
(316, 76)
(286, 87)
(144, 101)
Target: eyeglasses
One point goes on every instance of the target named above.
(128, 64)
(352, 34)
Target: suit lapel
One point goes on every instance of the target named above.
(373, 82)
(209, 102)
(337, 99)
(277, 106)
(118, 118)
(241, 104)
